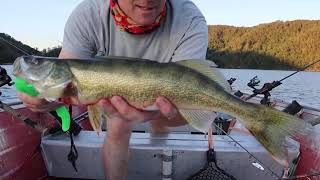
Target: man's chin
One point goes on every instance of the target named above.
(145, 22)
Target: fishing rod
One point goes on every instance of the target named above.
(74, 127)
(19, 49)
(267, 87)
(5, 79)
(251, 155)
(21, 117)
(302, 176)
(265, 166)
(248, 152)
(61, 114)
(304, 68)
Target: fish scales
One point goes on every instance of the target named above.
(196, 89)
(142, 82)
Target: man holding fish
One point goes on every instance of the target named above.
(158, 30)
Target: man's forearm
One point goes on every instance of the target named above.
(116, 148)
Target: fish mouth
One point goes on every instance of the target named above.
(16, 66)
(31, 69)
(50, 78)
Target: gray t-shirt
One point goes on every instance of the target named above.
(91, 29)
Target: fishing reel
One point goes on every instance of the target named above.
(5, 79)
(265, 90)
(253, 82)
(231, 81)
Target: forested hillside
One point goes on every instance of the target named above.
(8, 53)
(10, 49)
(277, 45)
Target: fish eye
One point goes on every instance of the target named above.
(32, 61)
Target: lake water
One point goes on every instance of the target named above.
(303, 87)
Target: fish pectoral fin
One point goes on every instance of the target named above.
(199, 119)
(95, 116)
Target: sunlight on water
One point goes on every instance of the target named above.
(303, 87)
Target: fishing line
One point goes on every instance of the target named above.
(251, 155)
(20, 49)
(269, 86)
(303, 176)
(304, 68)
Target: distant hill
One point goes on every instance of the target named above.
(51, 52)
(277, 45)
(8, 53)
(287, 45)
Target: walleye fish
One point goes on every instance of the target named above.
(195, 88)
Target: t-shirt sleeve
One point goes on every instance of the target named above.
(77, 38)
(194, 43)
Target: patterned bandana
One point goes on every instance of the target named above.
(125, 23)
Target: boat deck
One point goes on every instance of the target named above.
(150, 155)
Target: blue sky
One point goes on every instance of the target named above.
(39, 23)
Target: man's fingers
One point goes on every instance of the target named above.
(31, 100)
(37, 104)
(108, 107)
(166, 107)
(131, 113)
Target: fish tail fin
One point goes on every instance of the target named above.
(274, 129)
(310, 152)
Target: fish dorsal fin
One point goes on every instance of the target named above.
(199, 119)
(207, 68)
(120, 58)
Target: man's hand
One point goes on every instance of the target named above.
(119, 107)
(37, 104)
